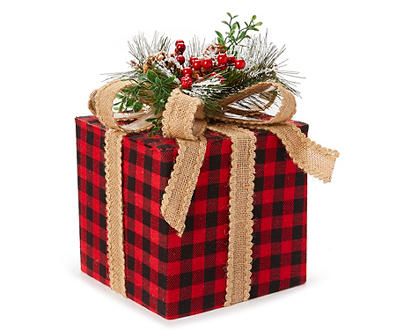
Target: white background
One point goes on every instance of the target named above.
(51, 57)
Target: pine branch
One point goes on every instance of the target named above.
(141, 49)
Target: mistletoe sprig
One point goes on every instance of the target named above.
(211, 71)
(236, 34)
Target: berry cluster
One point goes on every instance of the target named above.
(180, 48)
(206, 66)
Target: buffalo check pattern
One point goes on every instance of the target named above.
(177, 277)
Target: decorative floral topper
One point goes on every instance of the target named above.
(230, 63)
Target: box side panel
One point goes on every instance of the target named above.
(92, 207)
(197, 261)
(145, 174)
(279, 251)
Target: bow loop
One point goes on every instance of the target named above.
(261, 96)
(101, 104)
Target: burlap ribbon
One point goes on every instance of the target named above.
(184, 119)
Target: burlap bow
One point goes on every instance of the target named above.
(185, 120)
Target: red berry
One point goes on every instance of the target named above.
(240, 64)
(207, 63)
(186, 82)
(197, 64)
(222, 59)
(179, 41)
(180, 59)
(231, 59)
(180, 47)
(187, 71)
(192, 59)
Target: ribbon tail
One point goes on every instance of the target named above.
(309, 156)
(179, 191)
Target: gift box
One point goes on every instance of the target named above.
(176, 276)
(192, 174)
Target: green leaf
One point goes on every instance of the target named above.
(169, 80)
(253, 18)
(236, 26)
(129, 102)
(137, 106)
(242, 35)
(219, 34)
(151, 75)
(229, 14)
(225, 22)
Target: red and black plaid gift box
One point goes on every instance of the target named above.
(180, 276)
